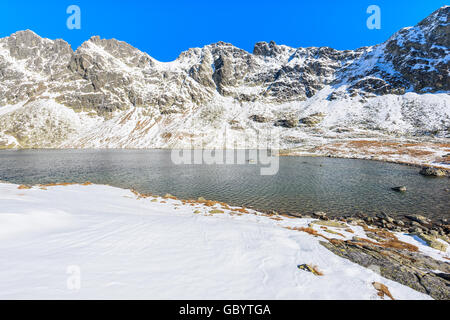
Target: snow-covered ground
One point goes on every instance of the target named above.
(117, 244)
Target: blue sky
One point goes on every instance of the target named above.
(163, 29)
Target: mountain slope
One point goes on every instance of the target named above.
(109, 94)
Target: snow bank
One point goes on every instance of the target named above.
(127, 246)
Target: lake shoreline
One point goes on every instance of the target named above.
(400, 255)
(290, 152)
(417, 224)
(399, 223)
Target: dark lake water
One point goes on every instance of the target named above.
(302, 184)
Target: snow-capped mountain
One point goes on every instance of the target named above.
(108, 94)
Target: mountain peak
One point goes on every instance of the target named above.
(263, 48)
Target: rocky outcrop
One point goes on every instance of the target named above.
(432, 172)
(313, 119)
(398, 265)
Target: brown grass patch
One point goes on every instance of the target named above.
(370, 144)
(288, 216)
(22, 186)
(215, 211)
(310, 231)
(397, 244)
(166, 135)
(334, 232)
(387, 150)
(126, 118)
(276, 218)
(385, 234)
(317, 271)
(382, 290)
(390, 240)
(141, 195)
(58, 184)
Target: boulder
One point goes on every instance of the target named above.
(312, 119)
(432, 172)
(259, 118)
(287, 123)
(418, 218)
(399, 189)
(432, 242)
(320, 214)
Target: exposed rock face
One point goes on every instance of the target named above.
(424, 49)
(287, 123)
(109, 83)
(258, 118)
(313, 119)
(414, 58)
(432, 241)
(401, 266)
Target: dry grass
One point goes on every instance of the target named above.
(126, 118)
(169, 196)
(334, 232)
(215, 211)
(141, 124)
(308, 230)
(311, 268)
(276, 218)
(56, 184)
(317, 271)
(388, 150)
(397, 244)
(141, 195)
(382, 290)
(370, 144)
(389, 240)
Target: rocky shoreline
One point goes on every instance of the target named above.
(394, 260)
(413, 162)
(384, 253)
